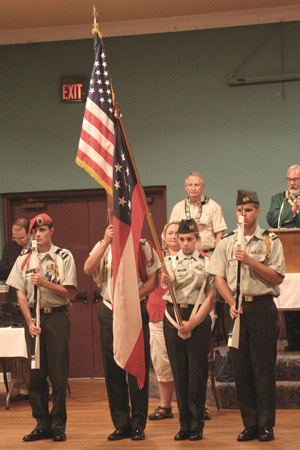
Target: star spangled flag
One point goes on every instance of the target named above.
(103, 153)
(129, 213)
(97, 140)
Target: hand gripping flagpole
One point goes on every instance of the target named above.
(234, 335)
(35, 357)
(151, 225)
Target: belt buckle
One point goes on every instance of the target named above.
(248, 298)
(183, 305)
(47, 310)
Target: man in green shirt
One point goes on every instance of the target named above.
(284, 213)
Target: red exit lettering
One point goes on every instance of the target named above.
(72, 91)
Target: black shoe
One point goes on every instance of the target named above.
(196, 435)
(138, 434)
(37, 435)
(19, 398)
(265, 434)
(120, 433)
(58, 435)
(247, 435)
(182, 435)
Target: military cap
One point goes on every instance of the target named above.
(244, 197)
(187, 226)
(39, 220)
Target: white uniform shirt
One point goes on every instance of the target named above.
(211, 215)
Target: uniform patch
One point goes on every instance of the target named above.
(258, 252)
(198, 268)
(51, 273)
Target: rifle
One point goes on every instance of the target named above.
(234, 335)
(35, 356)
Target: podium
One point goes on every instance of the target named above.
(290, 239)
(289, 298)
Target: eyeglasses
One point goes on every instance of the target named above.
(293, 180)
(22, 239)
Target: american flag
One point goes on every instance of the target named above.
(97, 140)
(103, 153)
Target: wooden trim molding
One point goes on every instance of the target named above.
(152, 26)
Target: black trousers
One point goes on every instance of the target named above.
(120, 385)
(254, 363)
(54, 362)
(292, 326)
(189, 363)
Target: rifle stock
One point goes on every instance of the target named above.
(35, 356)
(234, 335)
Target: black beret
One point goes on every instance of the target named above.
(187, 226)
(244, 197)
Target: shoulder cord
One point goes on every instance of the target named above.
(142, 260)
(267, 241)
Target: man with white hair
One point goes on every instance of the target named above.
(284, 212)
(289, 200)
(205, 211)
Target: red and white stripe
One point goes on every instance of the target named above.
(96, 145)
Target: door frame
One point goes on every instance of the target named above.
(37, 196)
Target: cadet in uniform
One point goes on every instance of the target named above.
(189, 357)
(99, 265)
(263, 271)
(56, 279)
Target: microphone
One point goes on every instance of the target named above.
(288, 197)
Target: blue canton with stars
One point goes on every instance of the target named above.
(124, 179)
(100, 90)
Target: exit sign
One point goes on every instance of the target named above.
(72, 88)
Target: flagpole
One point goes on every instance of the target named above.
(95, 15)
(108, 208)
(149, 218)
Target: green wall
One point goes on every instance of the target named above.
(178, 111)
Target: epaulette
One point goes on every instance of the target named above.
(271, 235)
(62, 252)
(25, 251)
(228, 234)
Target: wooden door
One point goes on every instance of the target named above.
(80, 219)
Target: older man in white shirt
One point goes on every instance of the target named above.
(205, 211)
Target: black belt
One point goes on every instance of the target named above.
(256, 298)
(51, 309)
(182, 305)
(209, 250)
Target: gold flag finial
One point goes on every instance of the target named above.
(95, 15)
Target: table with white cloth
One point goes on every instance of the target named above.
(12, 345)
(289, 298)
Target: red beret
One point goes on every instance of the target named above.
(39, 220)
